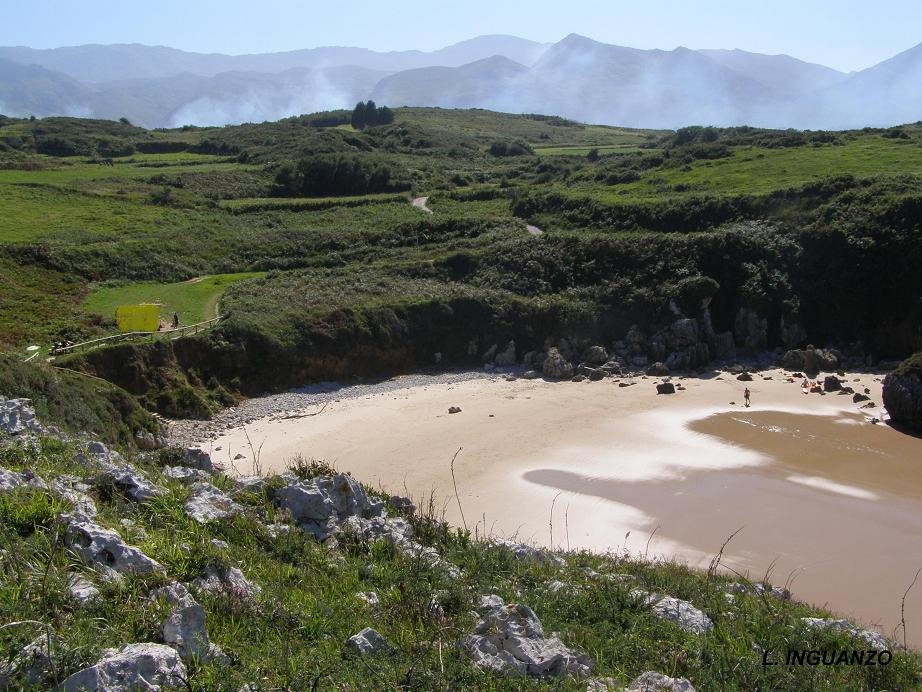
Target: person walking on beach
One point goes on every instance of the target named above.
(746, 395)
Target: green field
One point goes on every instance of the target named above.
(195, 300)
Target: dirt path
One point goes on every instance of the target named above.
(534, 230)
(421, 202)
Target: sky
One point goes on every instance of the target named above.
(844, 34)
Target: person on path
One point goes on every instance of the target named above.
(746, 395)
(175, 320)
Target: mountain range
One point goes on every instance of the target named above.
(576, 78)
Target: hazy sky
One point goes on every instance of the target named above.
(845, 34)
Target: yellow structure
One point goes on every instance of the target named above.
(138, 318)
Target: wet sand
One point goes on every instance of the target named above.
(821, 495)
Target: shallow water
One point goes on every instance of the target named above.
(836, 511)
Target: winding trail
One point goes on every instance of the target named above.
(421, 202)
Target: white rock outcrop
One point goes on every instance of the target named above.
(97, 545)
(683, 613)
(368, 642)
(529, 553)
(229, 582)
(17, 416)
(129, 669)
(207, 503)
(652, 681)
(510, 639)
(321, 504)
(10, 480)
(81, 589)
(185, 474)
(875, 639)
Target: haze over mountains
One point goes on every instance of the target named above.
(576, 78)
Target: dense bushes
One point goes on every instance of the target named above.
(74, 401)
(517, 148)
(331, 175)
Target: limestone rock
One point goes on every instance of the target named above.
(651, 681)
(531, 375)
(368, 642)
(131, 668)
(125, 477)
(902, 392)
(556, 366)
(759, 588)
(507, 356)
(832, 384)
(454, 409)
(401, 504)
(665, 388)
(744, 377)
(207, 503)
(230, 582)
(17, 416)
(870, 637)
(595, 355)
(198, 459)
(185, 474)
(529, 553)
(75, 491)
(369, 597)
(751, 331)
(10, 480)
(319, 505)
(510, 639)
(683, 613)
(81, 589)
(95, 544)
(658, 369)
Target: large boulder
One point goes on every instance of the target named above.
(321, 504)
(129, 669)
(665, 388)
(832, 384)
(902, 392)
(97, 545)
(595, 355)
(556, 366)
(17, 416)
(658, 369)
(811, 360)
(198, 459)
(510, 639)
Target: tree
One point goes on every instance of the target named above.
(385, 116)
(358, 116)
(371, 114)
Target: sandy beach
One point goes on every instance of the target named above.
(823, 500)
